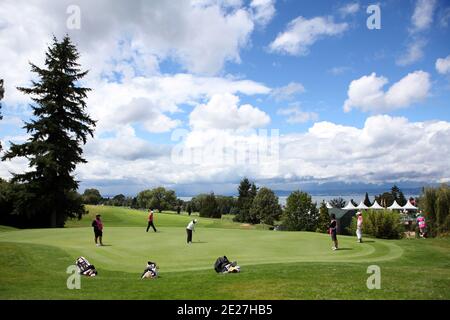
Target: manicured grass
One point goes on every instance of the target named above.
(275, 265)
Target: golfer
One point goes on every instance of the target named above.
(98, 230)
(150, 220)
(333, 231)
(359, 224)
(190, 227)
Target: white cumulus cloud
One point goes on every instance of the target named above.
(263, 11)
(443, 65)
(367, 94)
(224, 112)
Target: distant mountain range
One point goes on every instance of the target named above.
(314, 189)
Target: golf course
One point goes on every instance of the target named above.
(274, 264)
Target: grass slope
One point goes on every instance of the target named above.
(275, 265)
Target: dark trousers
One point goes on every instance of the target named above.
(189, 235)
(150, 224)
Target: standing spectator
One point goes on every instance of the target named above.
(333, 231)
(359, 224)
(98, 230)
(190, 227)
(150, 220)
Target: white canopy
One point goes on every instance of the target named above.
(376, 206)
(409, 206)
(361, 205)
(395, 205)
(329, 206)
(349, 206)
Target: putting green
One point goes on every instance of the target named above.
(128, 248)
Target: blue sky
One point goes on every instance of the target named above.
(222, 70)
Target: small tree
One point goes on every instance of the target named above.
(265, 207)
(91, 196)
(209, 207)
(324, 219)
(367, 200)
(401, 199)
(300, 213)
(435, 203)
(337, 203)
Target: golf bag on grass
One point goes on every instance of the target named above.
(150, 271)
(223, 265)
(85, 268)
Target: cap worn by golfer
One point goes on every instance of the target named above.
(358, 213)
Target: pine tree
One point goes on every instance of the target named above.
(367, 200)
(395, 191)
(2, 92)
(401, 199)
(337, 203)
(59, 127)
(247, 192)
(324, 219)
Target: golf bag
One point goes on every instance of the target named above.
(223, 265)
(85, 268)
(151, 271)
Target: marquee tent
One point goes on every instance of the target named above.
(395, 206)
(376, 206)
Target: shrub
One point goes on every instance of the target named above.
(384, 224)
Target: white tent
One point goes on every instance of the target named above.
(376, 206)
(409, 206)
(329, 206)
(361, 205)
(395, 206)
(349, 206)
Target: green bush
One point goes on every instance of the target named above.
(435, 204)
(384, 224)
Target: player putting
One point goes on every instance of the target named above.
(190, 227)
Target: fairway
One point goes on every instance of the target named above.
(292, 265)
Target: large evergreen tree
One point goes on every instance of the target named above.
(2, 91)
(57, 131)
(247, 192)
